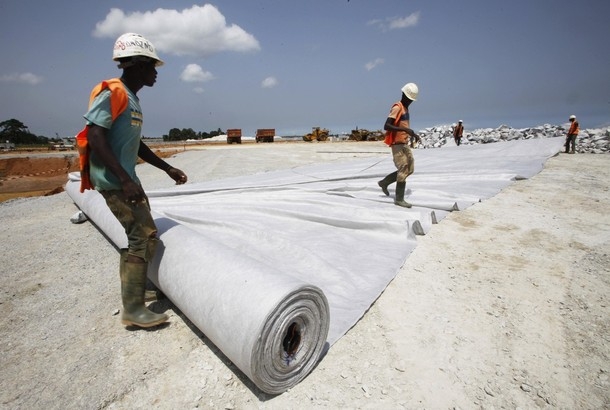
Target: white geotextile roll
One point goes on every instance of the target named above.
(246, 308)
(96, 210)
(271, 326)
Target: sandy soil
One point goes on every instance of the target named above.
(34, 175)
(41, 173)
(502, 305)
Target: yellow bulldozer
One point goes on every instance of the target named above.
(366, 135)
(316, 134)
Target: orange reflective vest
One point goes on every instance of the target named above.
(119, 100)
(574, 128)
(390, 135)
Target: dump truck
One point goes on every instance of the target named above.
(316, 134)
(265, 134)
(234, 135)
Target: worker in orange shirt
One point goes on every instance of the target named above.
(457, 133)
(399, 136)
(572, 135)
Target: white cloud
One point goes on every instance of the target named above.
(404, 22)
(269, 82)
(372, 64)
(193, 73)
(26, 78)
(393, 23)
(199, 31)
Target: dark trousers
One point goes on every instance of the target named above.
(571, 143)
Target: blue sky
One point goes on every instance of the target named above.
(292, 65)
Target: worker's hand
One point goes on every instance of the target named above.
(134, 193)
(177, 175)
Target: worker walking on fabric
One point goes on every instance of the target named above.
(398, 137)
(572, 135)
(115, 144)
(458, 131)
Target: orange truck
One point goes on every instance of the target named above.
(234, 135)
(265, 134)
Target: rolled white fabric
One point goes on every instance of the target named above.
(269, 324)
(272, 326)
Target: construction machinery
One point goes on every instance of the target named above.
(366, 135)
(234, 135)
(316, 134)
(265, 134)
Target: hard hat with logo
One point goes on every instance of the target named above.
(411, 91)
(135, 46)
(572, 117)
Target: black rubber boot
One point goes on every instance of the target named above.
(400, 195)
(133, 283)
(385, 182)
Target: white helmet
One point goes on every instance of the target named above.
(134, 45)
(460, 121)
(572, 117)
(411, 91)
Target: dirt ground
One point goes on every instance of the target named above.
(41, 173)
(502, 305)
(25, 176)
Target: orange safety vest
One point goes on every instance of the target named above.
(574, 128)
(119, 100)
(390, 135)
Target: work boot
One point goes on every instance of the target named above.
(133, 284)
(153, 295)
(400, 195)
(385, 182)
(149, 295)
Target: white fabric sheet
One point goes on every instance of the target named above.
(239, 253)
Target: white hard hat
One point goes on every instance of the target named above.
(134, 45)
(572, 117)
(460, 121)
(411, 91)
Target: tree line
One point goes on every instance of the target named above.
(16, 132)
(184, 134)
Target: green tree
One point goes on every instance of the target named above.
(18, 133)
(189, 134)
(174, 135)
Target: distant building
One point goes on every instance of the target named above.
(7, 146)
